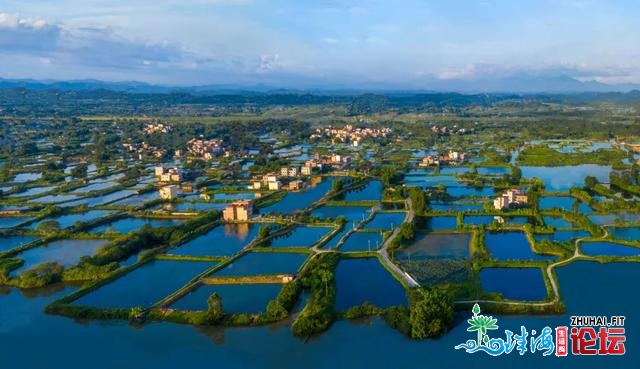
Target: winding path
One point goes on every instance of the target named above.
(384, 252)
(556, 293)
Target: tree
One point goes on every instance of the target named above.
(275, 311)
(430, 314)
(337, 185)
(590, 182)
(325, 276)
(215, 312)
(80, 170)
(418, 199)
(48, 226)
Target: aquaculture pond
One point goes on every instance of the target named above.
(437, 223)
(333, 242)
(188, 206)
(351, 213)
(10, 242)
(224, 240)
(127, 225)
(514, 283)
(437, 245)
(70, 219)
(385, 221)
(562, 236)
(53, 199)
(65, 252)
(372, 191)
(460, 191)
(233, 196)
(625, 233)
(557, 222)
(368, 343)
(301, 237)
(138, 200)
(255, 263)
(492, 171)
(101, 200)
(604, 248)
(448, 171)
(293, 201)
(94, 187)
(10, 222)
(511, 246)
(563, 202)
(479, 219)
(145, 285)
(563, 178)
(362, 241)
(360, 280)
(612, 218)
(34, 191)
(26, 177)
(236, 298)
(454, 206)
(429, 180)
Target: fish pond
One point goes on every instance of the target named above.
(626, 233)
(70, 219)
(564, 203)
(563, 178)
(511, 246)
(557, 222)
(360, 280)
(562, 236)
(301, 237)
(604, 248)
(145, 285)
(385, 221)
(236, 298)
(127, 225)
(514, 283)
(372, 191)
(293, 201)
(64, 252)
(351, 213)
(224, 240)
(362, 241)
(438, 223)
(255, 263)
(10, 242)
(437, 245)
(10, 222)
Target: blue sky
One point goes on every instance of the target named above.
(319, 43)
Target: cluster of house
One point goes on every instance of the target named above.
(452, 157)
(144, 149)
(511, 198)
(349, 134)
(443, 131)
(205, 149)
(238, 211)
(272, 181)
(168, 175)
(156, 128)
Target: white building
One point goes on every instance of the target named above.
(169, 192)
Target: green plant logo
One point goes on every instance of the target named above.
(481, 324)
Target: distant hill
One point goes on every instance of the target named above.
(521, 84)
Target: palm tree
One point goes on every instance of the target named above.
(481, 323)
(325, 275)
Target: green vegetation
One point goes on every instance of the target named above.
(318, 277)
(542, 155)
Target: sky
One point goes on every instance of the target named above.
(314, 43)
